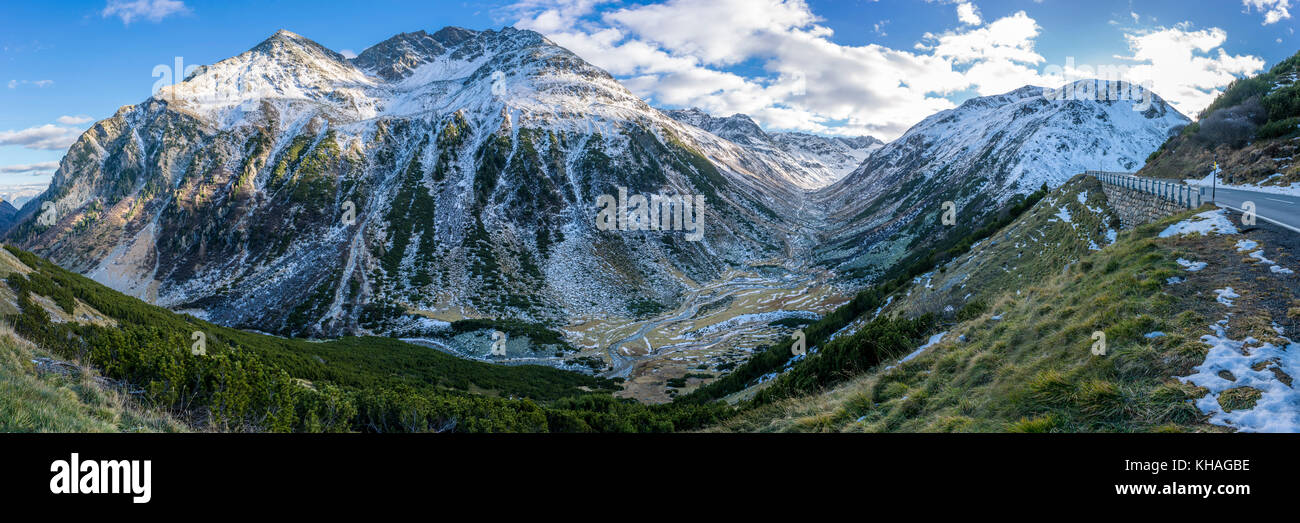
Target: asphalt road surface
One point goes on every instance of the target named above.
(1278, 208)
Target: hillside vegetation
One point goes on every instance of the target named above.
(252, 382)
(1019, 355)
(1253, 128)
(39, 393)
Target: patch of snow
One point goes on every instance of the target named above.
(933, 340)
(1259, 255)
(1225, 296)
(1064, 215)
(879, 309)
(1204, 223)
(1245, 245)
(1278, 407)
(1192, 266)
(1154, 334)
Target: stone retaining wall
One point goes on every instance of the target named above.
(1136, 208)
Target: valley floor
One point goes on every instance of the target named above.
(718, 326)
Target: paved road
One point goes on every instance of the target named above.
(1275, 207)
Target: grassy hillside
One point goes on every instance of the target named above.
(872, 344)
(248, 381)
(1019, 358)
(41, 394)
(1253, 128)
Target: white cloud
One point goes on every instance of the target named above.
(1274, 10)
(1007, 39)
(34, 169)
(678, 53)
(47, 137)
(152, 10)
(13, 84)
(1182, 65)
(682, 53)
(74, 120)
(969, 14)
(348, 53)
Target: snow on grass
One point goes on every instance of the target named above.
(1246, 245)
(888, 301)
(1204, 223)
(1278, 407)
(1259, 255)
(1083, 198)
(1154, 334)
(1225, 296)
(1064, 215)
(1191, 266)
(933, 340)
(1111, 235)
(1174, 280)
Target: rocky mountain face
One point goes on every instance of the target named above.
(810, 161)
(453, 174)
(980, 155)
(463, 174)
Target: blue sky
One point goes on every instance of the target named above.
(828, 66)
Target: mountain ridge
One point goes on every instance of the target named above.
(225, 194)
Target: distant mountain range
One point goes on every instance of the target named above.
(19, 194)
(820, 160)
(457, 174)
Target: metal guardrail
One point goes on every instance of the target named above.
(1179, 193)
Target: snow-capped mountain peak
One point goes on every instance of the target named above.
(292, 73)
(982, 153)
(469, 160)
(817, 161)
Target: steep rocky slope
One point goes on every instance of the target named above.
(978, 156)
(453, 174)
